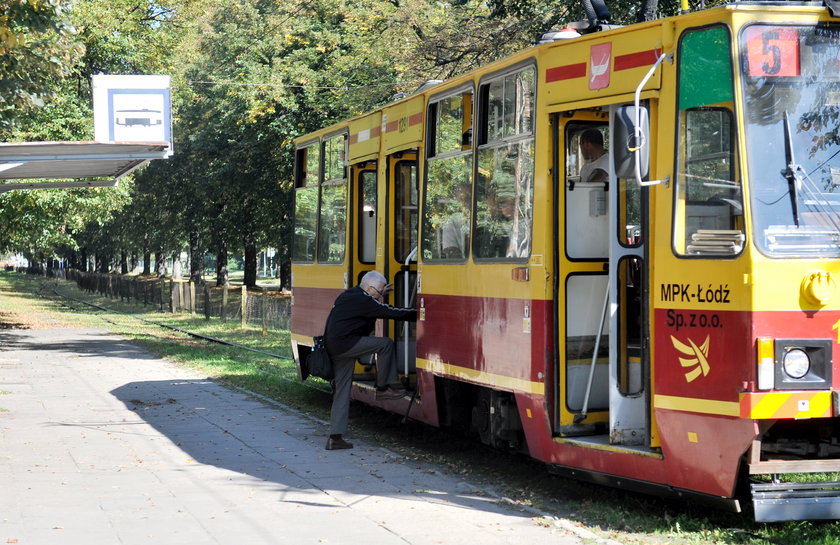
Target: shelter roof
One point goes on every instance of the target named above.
(77, 164)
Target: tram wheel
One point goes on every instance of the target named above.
(481, 415)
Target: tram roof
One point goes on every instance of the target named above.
(77, 164)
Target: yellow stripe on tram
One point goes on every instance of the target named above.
(695, 405)
(482, 377)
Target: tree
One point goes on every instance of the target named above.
(249, 76)
(36, 49)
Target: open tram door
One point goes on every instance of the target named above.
(602, 394)
(400, 267)
(364, 219)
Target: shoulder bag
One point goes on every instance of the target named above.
(319, 362)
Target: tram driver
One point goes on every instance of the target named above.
(596, 169)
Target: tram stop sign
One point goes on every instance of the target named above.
(132, 109)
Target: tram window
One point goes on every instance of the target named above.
(332, 224)
(587, 154)
(708, 197)
(334, 156)
(585, 342)
(446, 232)
(631, 349)
(630, 213)
(307, 165)
(504, 186)
(448, 195)
(406, 209)
(451, 120)
(507, 106)
(367, 217)
(587, 222)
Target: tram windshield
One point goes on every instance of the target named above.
(791, 87)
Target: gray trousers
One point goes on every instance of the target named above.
(386, 373)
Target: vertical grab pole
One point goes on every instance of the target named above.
(585, 408)
(406, 294)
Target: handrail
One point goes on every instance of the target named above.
(637, 128)
(406, 283)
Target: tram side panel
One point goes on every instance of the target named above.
(319, 252)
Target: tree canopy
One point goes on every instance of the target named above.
(248, 77)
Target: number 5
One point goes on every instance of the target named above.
(771, 49)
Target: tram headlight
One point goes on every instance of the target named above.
(802, 364)
(796, 363)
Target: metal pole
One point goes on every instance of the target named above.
(406, 282)
(585, 408)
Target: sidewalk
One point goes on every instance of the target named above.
(101, 443)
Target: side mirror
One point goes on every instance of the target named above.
(630, 142)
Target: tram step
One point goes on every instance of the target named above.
(775, 502)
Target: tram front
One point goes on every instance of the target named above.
(790, 90)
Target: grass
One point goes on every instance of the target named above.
(624, 516)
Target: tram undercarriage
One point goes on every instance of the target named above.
(794, 470)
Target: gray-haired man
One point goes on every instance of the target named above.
(347, 334)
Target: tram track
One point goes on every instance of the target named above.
(61, 298)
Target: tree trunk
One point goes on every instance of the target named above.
(647, 10)
(147, 256)
(284, 265)
(160, 264)
(250, 260)
(196, 257)
(123, 262)
(84, 260)
(221, 265)
(132, 260)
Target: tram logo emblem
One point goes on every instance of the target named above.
(696, 358)
(599, 66)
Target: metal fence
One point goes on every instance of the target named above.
(269, 310)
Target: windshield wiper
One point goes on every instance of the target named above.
(790, 172)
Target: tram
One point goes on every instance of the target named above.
(672, 325)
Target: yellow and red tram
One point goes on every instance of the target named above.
(671, 327)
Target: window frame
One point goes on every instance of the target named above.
(483, 143)
(678, 211)
(467, 150)
(300, 185)
(332, 183)
(398, 252)
(360, 204)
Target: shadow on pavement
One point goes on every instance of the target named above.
(226, 429)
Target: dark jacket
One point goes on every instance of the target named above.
(353, 316)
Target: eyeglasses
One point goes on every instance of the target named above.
(382, 295)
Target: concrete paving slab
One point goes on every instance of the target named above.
(100, 442)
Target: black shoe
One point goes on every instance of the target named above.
(390, 393)
(338, 443)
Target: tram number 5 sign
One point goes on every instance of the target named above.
(772, 51)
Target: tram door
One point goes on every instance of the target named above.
(601, 390)
(363, 222)
(400, 258)
(629, 369)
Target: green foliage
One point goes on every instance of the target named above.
(36, 222)
(248, 76)
(36, 49)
